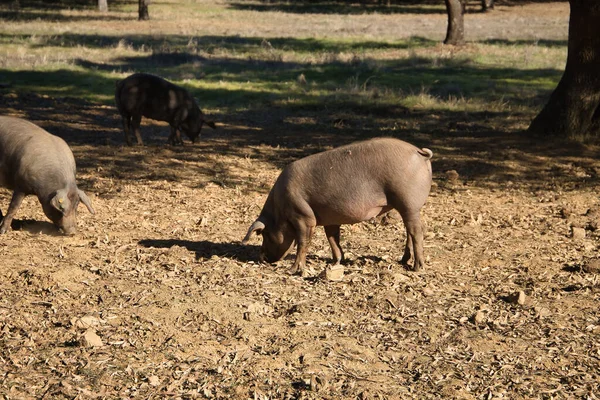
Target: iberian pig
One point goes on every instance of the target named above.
(32, 161)
(345, 185)
(145, 95)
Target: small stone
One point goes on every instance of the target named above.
(400, 278)
(428, 292)
(154, 380)
(518, 298)
(542, 312)
(592, 266)
(452, 175)
(565, 212)
(334, 273)
(577, 233)
(91, 339)
(85, 322)
(479, 317)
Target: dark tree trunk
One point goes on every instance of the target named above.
(143, 10)
(573, 109)
(102, 5)
(456, 22)
(487, 5)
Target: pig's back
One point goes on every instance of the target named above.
(355, 182)
(30, 155)
(150, 96)
(377, 160)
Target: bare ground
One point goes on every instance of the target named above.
(180, 309)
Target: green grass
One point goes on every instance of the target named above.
(58, 56)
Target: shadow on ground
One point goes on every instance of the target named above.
(285, 120)
(206, 249)
(35, 227)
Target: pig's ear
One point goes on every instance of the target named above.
(257, 227)
(60, 201)
(86, 201)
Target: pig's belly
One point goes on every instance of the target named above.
(343, 215)
(3, 179)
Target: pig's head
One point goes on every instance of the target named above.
(193, 125)
(61, 208)
(277, 238)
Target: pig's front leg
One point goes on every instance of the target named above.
(304, 231)
(15, 203)
(178, 137)
(171, 139)
(333, 236)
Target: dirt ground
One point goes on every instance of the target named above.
(155, 297)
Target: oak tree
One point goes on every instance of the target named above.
(573, 109)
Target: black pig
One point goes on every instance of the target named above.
(153, 97)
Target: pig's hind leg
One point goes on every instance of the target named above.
(15, 203)
(414, 239)
(333, 236)
(135, 125)
(127, 128)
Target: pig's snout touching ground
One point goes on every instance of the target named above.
(262, 258)
(68, 226)
(68, 231)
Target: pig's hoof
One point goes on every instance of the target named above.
(294, 271)
(416, 267)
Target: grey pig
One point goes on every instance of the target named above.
(345, 185)
(153, 97)
(33, 161)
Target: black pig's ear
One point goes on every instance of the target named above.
(86, 201)
(257, 227)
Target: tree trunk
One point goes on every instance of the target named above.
(573, 109)
(102, 5)
(487, 5)
(143, 10)
(456, 22)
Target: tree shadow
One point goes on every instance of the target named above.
(338, 7)
(537, 42)
(35, 15)
(61, 4)
(181, 44)
(205, 249)
(339, 104)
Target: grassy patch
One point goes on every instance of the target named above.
(81, 53)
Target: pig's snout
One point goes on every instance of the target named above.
(262, 258)
(67, 226)
(69, 231)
